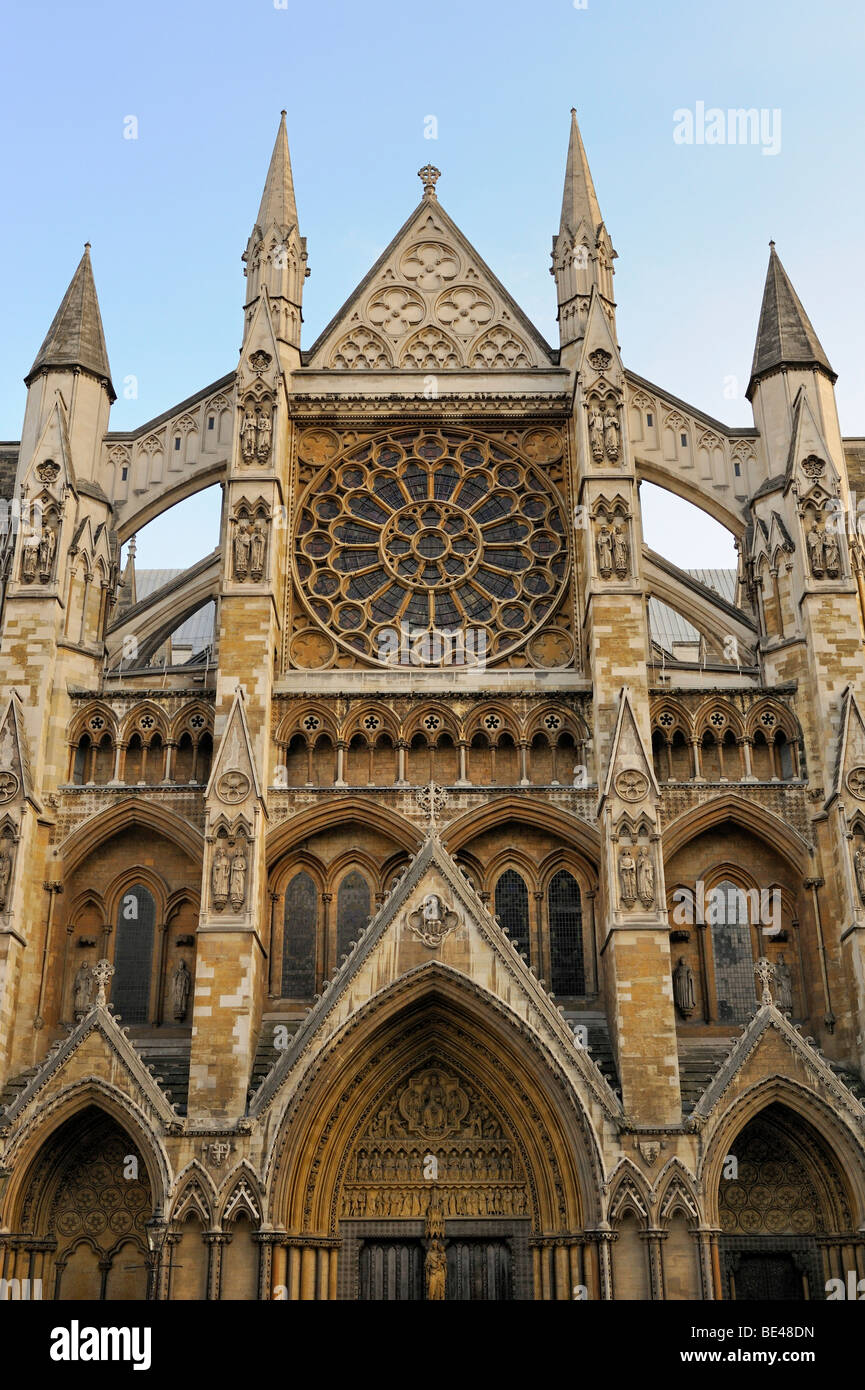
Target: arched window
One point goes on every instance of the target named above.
(731, 947)
(567, 971)
(133, 954)
(512, 907)
(298, 940)
(81, 765)
(352, 910)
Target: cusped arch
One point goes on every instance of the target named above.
(580, 834)
(308, 822)
(747, 814)
(131, 811)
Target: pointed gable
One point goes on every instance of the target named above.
(76, 338)
(809, 465)
(630, 781)
(15, 772)
(234, 779)
(850, 756)
(430, 303)
(785, 336)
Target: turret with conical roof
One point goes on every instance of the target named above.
(75, 338)
(785, 336)
(583, 253)
(275, 256)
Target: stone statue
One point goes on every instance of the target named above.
(621, 553)
(683, 988)
(238, 877)
(628, 876)
(436, 1272)
(815, 550)
(47, 547)
(83, 987)
(29, 558)
(247, 435)
(831, 554)
(256, 554)
(611, 433)
(596, 433)
(242, 547)
(605, 552)
(265, 429)
(645, 878)
(783, 986)
(180, 986)
(859, 869)
(221, 872)
(5, 871)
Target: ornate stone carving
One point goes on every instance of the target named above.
(318, 446)
(435, 1271)
(430, 265)
(432, 921)
(396, 310)
(181, 982)
(429, 176)
(360, 350)
(612, 443)
(645, 878)
(604, 544)
(632, 785)
(431, 350)
(220, 874)
(233, 787)
(627, 877)
(543, 446)
(9, 785)
(683, 988)
(856, 783)
(813, 467)
(596, 432)
(7, 858)
(260, 360)
(824, 553)
(765, 972)
(500, 350)
(48, 472)
(102, 972)
(432, 799)
(82, 991)
(237, 876)
(859, 870)
(433, 1105)
(600, 359)
(783, 985)
(464, 310)
(621, 553)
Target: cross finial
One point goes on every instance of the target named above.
(102, 972)
(765, 972)
(432, 798)
(430, 176)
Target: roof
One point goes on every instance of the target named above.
(197, 632)
(668, 627)
(75, 338)
(785, 336)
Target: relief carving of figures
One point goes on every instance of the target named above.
(242, 548)
(605, 552)
(432, 921)
(596, 433)
(783, 986)
(247, 435)
(220, 875)
(645, 878)
(180, 986)
(436, 1267)
(5, 872)
(264, 425)
(611, 433)
(83, 988)
(628, 876)
(859, 869)
(831, 554)
(29, 557)
(237, 889)
(683, 988)
(256, 553)
(621, 553)
(47, 548)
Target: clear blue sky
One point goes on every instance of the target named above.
(169, 213)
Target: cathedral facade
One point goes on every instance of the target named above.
(436, 929)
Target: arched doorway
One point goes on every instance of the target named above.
(86, 1201)
(783, 1210)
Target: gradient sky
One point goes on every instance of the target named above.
(169, 214)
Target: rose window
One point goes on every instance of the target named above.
(430, 532)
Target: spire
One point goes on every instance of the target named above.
(277, 200)
(579, 200)
(75, 338)
(785, 337)
(127, 593)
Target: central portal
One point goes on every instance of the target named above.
(389, 1262)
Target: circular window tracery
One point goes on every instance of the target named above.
(441, 531)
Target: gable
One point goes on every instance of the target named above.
(430, 304)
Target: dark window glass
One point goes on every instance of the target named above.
(298, 942)
(352, 910)
(133, 954)
(567, 972)
(512, 907)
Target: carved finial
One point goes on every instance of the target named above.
(432, 799)
(765, 972)
(102, 972)
(430, 176)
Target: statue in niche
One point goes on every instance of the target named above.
(265, 430)
(815, 550)
(237, 890)
(47, 548)
(611, 433)
(596, 433)
(645, 878)
(605, 552)
(242, 548)
(831, 554)
(5, 871)
(435, 1269)
(683, 988)
(181, 982)
(256, 551)
(628, 876)
(859, 870)
(783, 986)
(221, 873)
(247, 435)
(83, 988)
(29, 558)
(621, 553)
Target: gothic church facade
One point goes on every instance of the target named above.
(436, 931)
